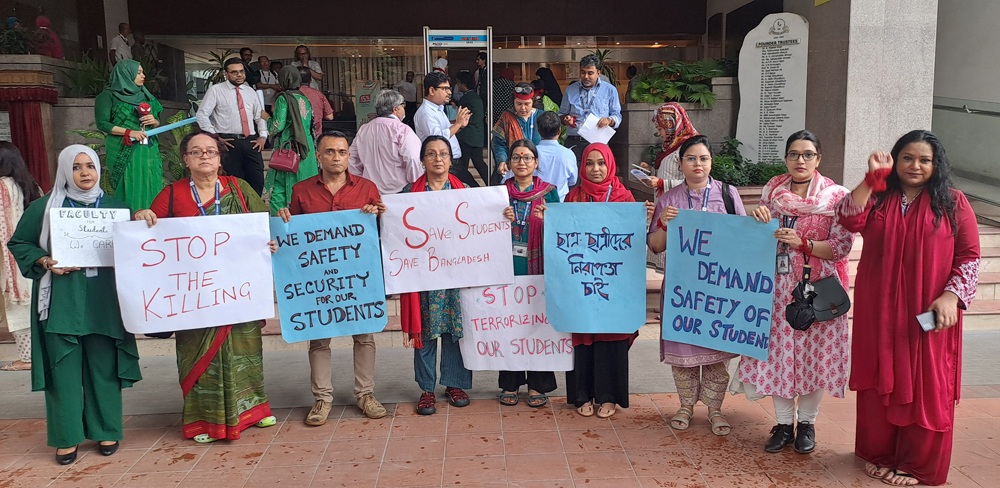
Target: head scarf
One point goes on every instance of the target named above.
(672, 115)
(441, 64)
(64, 187)
(11, 21)
(552, 88)
(51, 46)
(598, 192)
(122, 83)
(290, 80)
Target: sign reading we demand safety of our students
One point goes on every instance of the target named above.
(720, 282)
(328, 275)
(193, 272)
(438, 240)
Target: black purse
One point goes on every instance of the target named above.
(800, 314)
(831, 299)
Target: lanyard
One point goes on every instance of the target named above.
(607, 196)
(704, 203)
(197, 199)
(523, 221)
(97, 203)
(587, 97)
(788, 221)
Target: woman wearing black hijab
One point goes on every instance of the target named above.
(552, 89)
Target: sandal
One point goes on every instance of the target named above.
(721, 424)
(606, 412)
(902, 479)
(587, 409)
(683, 418)
(204, 439)
(508, 399)
(12, 366)
(537, 401)
(875, 472)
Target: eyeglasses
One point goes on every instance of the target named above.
(197, 153)
(435, 156)
(806, 156)
(448, 88)
(518, 158)
(694, 160)
(524, 90)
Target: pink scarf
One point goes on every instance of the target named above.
(822, 197)
(533, 197)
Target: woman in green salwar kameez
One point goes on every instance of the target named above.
(134, 167)
(221, 368)
(292, 124)
(82, 354)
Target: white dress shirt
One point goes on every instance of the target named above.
(430, 120)
(268, 78)
(313, 65)
(119, 44)
(219, 110)
(408, 90)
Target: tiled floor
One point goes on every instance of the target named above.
(484, 445)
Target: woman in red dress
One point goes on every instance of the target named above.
(921, 254)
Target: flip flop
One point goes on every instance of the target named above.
(905, 476)
(508, 399)
(535, 398)
(872, 470)
(683, 417)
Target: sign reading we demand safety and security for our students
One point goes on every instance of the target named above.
(595, 267)
(328, 276)
(720, 282)
(438, 240)
(193, 272)
(505, 329)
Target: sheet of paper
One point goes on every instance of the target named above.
(589, 131)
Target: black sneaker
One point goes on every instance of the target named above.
(805, 438)
(781, 436)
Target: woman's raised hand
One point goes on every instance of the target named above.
(285, 215)
(879, 160)
(761, 214)
(146, 215)
(650, 207)
(667, 215)
(945, 308)
(539, 211)
(508, 213)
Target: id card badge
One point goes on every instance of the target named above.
(90, 272)
(521, 250)
(783, 264)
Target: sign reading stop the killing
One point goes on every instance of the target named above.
(438, 240)
(504, 328)
(193, 272)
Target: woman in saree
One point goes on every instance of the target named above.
(699, 373)
(125, 110)
(429, 315)
(17, 190)
(921, 254)
(600, 361)
(292, 126)
(514, 125)
(526, 192)
(81, 353)
(221, 368)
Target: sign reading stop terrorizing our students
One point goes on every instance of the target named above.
(193, 272)
(446, 239)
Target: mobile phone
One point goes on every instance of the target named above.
(640, 168)
(639, 175)
(927, 321)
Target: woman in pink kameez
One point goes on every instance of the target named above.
(921, 254)
(801, 363)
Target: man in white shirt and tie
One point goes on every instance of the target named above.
(119, 47)
(231, 110)
(431, 120)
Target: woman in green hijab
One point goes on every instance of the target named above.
(292, 126)
(134, 166)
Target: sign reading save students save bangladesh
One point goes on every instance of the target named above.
(720, 282)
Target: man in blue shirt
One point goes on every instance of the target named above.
(589, 96)
(556, 164)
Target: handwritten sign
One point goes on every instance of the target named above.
(505, 328)
(720, 282)
(328, 275)
(595, 267)
(193, 272)
(438, 240)
(83, 237)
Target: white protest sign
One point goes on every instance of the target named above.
(193, 272)
(438, 240)
(83, 237)
(504, 328)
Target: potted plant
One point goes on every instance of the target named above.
(604, 56)
(15, 41)
(728, 166)
(678, 81)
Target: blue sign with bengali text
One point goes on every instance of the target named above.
(595, 267)
(719, 289)
(328, 275)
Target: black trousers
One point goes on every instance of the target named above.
(600, 373)
(411, 110)
(244, 162)
(460, 168)
(540, 381)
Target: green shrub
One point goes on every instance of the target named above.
(730, 167)
(678, 81)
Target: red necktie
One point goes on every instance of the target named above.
(243, 113)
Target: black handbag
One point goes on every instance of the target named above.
(831, 299)
(800, 314)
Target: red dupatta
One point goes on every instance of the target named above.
(409, 303)
(905, 265)
(533, 197)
